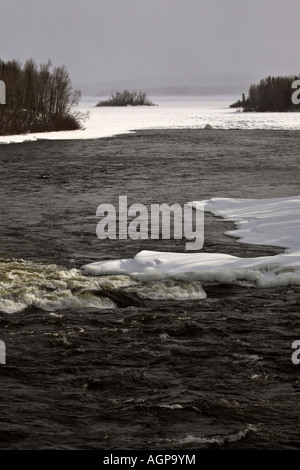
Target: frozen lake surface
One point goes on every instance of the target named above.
(170, 113)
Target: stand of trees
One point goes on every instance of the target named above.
(37, 99)
(127, 98)
(270, 94)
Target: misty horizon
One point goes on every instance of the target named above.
(157, 44)
(197, 85)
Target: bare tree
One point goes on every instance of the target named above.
(38, 99)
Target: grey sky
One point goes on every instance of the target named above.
(104, 40)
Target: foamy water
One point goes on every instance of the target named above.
(50, 287)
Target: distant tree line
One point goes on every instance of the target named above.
(127, 98)
(38, 99)
(270, 94)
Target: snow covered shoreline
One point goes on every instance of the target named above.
(171, 113)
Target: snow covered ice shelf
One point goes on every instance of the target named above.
(273, 222)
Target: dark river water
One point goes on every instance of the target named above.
(97, 363)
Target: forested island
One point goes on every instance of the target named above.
(38, 99)
(127, 98)
(270, 94)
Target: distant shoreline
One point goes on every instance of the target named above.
(171, 113)
(134, 132)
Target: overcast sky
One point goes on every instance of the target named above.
(105, 40)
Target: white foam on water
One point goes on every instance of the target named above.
(25, 284)
(219, 439)
(170, 291)
(173, 406)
